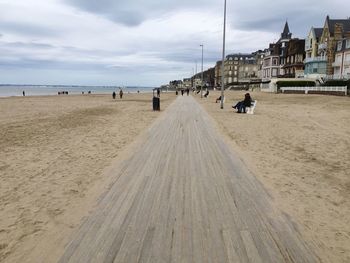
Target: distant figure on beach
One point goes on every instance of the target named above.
(176, 92)
(89, 92)
(82, 92)
(114, 95)
(188, 91)
(158, 93)
(121, 93)
(23, 93)
(138, 91)
(182, 92)
(241, 105)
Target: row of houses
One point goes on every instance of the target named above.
(323, 54)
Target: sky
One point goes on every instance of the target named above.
(140, 42)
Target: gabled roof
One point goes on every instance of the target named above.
(318, 32)
(333, 22)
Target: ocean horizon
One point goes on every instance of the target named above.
(9, 90)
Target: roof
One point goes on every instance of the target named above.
(240, 55)
(318, 32)
(285, 30)
(333, 22)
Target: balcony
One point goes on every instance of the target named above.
(315, 59)
(322, 46)
(336, 64)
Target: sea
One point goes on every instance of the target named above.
(46, 90)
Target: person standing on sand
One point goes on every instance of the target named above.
(158, 93)
(23, 93)
(188, 91)
(114, 95)
(121, 93)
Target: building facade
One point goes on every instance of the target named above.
(334, 30)
(341, 64)
(295, 55)
(218, 74)
(276, 56)
(240, 68)
(315, 64)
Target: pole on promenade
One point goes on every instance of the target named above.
(202, 74)
(223, 61)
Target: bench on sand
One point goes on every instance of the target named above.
(250, 110)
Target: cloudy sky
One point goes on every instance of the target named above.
(139, 42)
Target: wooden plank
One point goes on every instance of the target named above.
(185, 197)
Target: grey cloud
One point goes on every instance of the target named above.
(38, 64)
(134, 12)
(27, 29)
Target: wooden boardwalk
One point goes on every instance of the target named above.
(185, 197)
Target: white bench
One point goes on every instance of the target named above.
(250, 110)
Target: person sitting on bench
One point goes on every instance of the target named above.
(218, 99)
(241, 105)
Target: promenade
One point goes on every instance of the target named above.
(185, 197)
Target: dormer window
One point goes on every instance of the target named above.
(339, 45)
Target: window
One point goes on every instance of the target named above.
(347, 43)
(339, 45)
(235, 67)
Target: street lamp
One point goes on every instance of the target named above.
(223, 61)
(202, 74)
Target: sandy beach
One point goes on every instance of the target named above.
(299, 148)
(54, 157)
(57, 152)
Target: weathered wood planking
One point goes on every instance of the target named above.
(185, 197)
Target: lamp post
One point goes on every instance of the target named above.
(202, 74)
(223, 61)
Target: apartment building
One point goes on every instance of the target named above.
(334, 31)
(341, 64)
(315, 64)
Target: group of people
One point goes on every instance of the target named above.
(120, 94)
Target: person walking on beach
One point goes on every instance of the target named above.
(182, 92)
(23, 93)
(121, 93)
(188, 91)
(114, 95)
